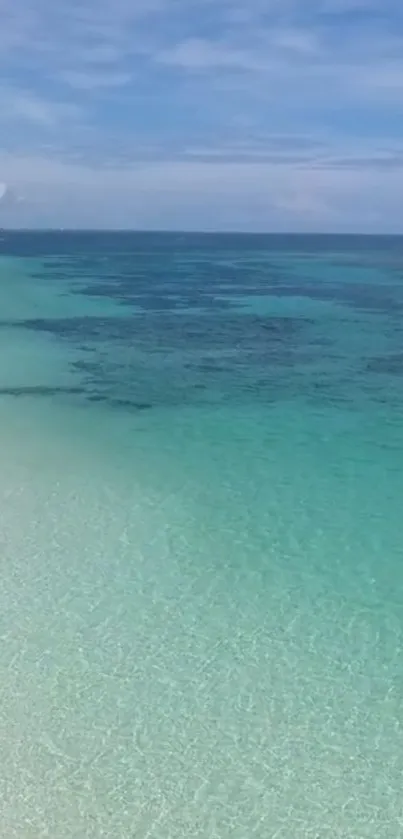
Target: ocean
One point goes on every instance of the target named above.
(201, 541)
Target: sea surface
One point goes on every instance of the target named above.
(201, 536)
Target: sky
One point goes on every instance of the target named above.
(256, 115)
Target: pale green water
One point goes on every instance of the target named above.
(202, 601)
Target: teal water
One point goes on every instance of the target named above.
(201, 607)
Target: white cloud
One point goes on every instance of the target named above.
(23, 105)
(8, 197)
(297, 41)
(24, 115)
(182, 110)
(252, 195)
(196, 53)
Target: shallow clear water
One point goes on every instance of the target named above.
(201, 609)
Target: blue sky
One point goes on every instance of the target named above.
(202, 114)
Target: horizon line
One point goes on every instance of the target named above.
(201, 232)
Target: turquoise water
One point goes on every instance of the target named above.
(201, 608)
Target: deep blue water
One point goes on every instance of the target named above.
(203, 318)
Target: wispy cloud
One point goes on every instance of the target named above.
(19, 105)
(266, 113)
(95, 79)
